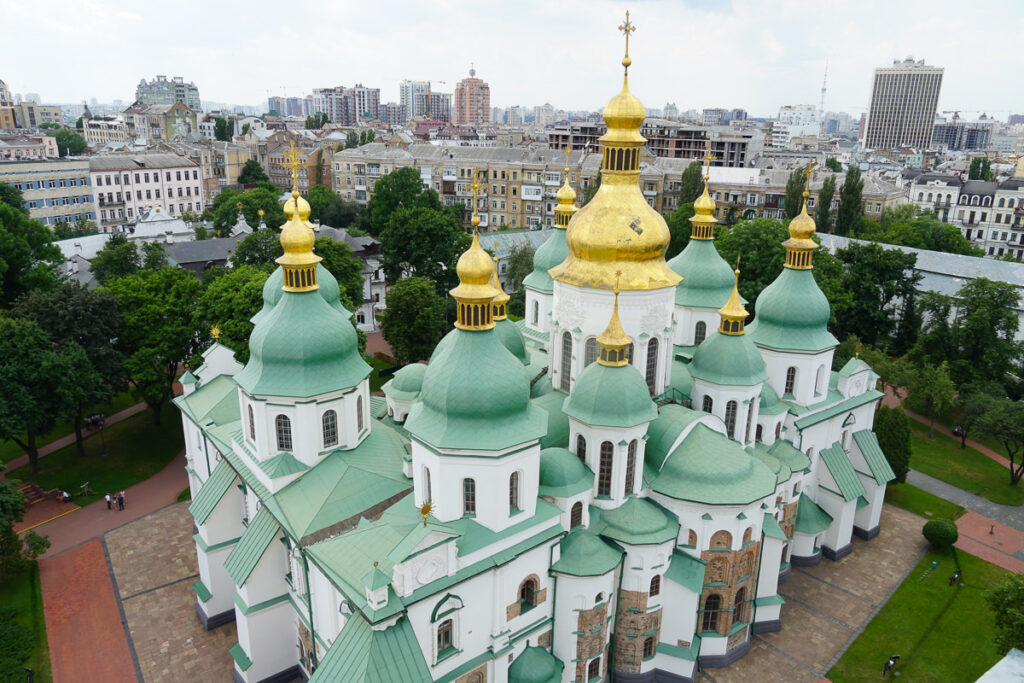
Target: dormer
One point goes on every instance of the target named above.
(855, 378)
(376, 585)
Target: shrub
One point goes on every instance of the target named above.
(15, 647)
(941, 533)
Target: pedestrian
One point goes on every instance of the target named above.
(120, 501)
(109, 502)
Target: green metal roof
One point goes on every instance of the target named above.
(548, 255)
(770, 403)
(475, 395)
(329, 291)
(302, 348)
(881, 471)
(869, 396)
(187, 378)
(638, 521)
(535, 665)
(728, 360)
(839, 466)
(781, 470)
(254, 542)
(792, 314)
(682, 380)
(512, 339)
(376, 579)
(811, 519)
(707, 278)
(283, 464)
(213, 403)
(770, 527)
(362, 655)
(662, 433)
(853, 366)
(610, 397)
(406, 383)
(212, 490)
(557, 422)
(708, 467)
(563, 474)
(788, 454)
(686, 570)
(583, 553)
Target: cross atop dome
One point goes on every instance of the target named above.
(626, 27)
(293, 165)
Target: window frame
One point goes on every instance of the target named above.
(283, 432)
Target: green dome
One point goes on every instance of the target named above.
(541, 387)
(728, 360)
(302, 347)
(707, 278)
(781, 470)
(557, 423)
(610, 397)
(548, 255)
(563, 474)
(583, 553)
(406, 383)
(682, 380)
(535, 665)
(475, 394)
(329, 290)
(708, 467)
(770, 403)
(512, 339)
(638, 521)
(792, 314)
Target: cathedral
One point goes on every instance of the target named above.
(611, 489)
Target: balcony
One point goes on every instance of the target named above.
(943, 205)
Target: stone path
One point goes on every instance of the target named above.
(1009, 515)
(828, 605)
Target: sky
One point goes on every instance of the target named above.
(749, 54)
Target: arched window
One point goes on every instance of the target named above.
(778, 430)
(426, 485)
(252, 425)
(730, 418)
(790, 381)
(513, 492)
(594, 668)
(629, 353)
(655, 585)
(721, 539)
(760, 429)
(707, 404)
(359, 414)
(709, 620)
(576, 515)
(563, 379)
(652, 364)
(692, 540)
(284, 432)
(599, 598)
(590, 350)
(604, 472)
(468, 497)
(329, 423)
(700, 332)
(747, 535)
(528, 594)
(1001, 202)
(581, 448)
(974, 200)
(738, 606)
(819, 381)
(535, 315)
(648, 647)
(630, 468)
(929, 196)
(444, 636)
(920, 196)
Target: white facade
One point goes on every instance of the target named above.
(123, 185)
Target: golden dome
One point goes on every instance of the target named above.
(614, 339)
(734, 315)
(624, 114)
(799, 246)
(475, 269)
(566, 196)
(297, 240)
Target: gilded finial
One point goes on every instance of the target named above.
(708, 158)
(260, 213)
(626, 29)
(856, 354)
(476, 189)
(808, 172)
(215, 333)
(568, 151)
(238, 205)
(733, 314)
(294, 165)
(614, 340)
(424, 513)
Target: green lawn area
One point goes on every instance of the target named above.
(136, 450)
(952, 416)
(966, 468)
(21, 593)
(10, 450)
(942, 633)
(930, 506)
(376, 380)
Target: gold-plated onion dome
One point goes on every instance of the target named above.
(703, 221)
(297, 239)
(475, 269)
(624, 113)
(500, 301)
(613, 340)
(566, 196)
(800, 246)
(734, 315)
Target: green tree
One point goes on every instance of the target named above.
(400, 189)
(941, 532)
(154, 256)
(679, 229)
(245, 128)
(413, 322)
(223, 129)
(80, 228)
(340, 214)
(424, 242)
(15, 550)
(892, 427)
(1005, 600)
(590, 190)
(28, 256)
(69, 142)
(823, 214)
(352, 140)
(319, 198)
(260, 250)
(931, 385)
(691, 184)
(158, 335)
(346, 268)
(225, 212)
(11, 196)
(833, 165)
(981, 169)
(251, 173)
(794, 200)
(228, 302)
(851, 205)
(362, 138)
(1003, 420)
(759, 241)
(371, 135)
(120, 257)
(877, 280)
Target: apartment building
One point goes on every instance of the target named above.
(160, 121)
(125, 183)
(160, 90)
(219, 162)
(24, 146)
(102, 130)
(472, 101)
(53, 190)
(29, 115)
(280, 173)
(904, 99)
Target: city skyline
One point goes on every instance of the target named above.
(764, 54)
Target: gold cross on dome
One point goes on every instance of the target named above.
(708, 158)
(808, 172)
(626, 29)
(294, 165)
(215, 333)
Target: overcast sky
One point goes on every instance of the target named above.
(697, 53)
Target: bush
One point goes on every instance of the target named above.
(15, 647)
(892, 427)
(1005, 600)
(941, 533)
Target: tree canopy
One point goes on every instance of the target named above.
(981, 169)
(892, 427)
(80, 228)
(1001, 419)
(833, 165)
(794, 193)
(413, 322)
(69, 142)
(347, 269)
(851, 206)
(260, 249)
(823, 214)
(252, 173)
(228, 303)
(11, 196)
(691, 183)
(225, 209)
(341, 214)
(679, 229)
(223, 129)
(319, 198)
(908, 226)
(400, 189)
(422, 241)
(28, 257)
(1005, 600)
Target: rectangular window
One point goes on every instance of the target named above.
(604, 474)
(468, 497)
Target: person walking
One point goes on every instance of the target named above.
(120, 501)
(109, 502)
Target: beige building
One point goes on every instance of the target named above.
(904, 100)
(124, 184)
(54, 190)
(219, 162)
(102, 130)
(22, 146)
(160, 121)
(32, 115)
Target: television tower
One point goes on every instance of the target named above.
(821, 105)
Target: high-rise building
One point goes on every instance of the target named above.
(163, 91)
(514, 116)
(795, 121)
(712, 117)
(408, 94)
(472, 100)
(276, 104)
(365, 101)
(6, 100)
(543, 115)
(434, 105)
(904, 99)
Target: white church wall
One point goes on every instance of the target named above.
(573, 595)
(747, 399)
(620, 438)
(216, 579)
(566, 504)
(538, 310)
(867, 518)
(217, 360)
(268, 637)
(679, 620)
(686, 324)
(810, 384)
(768, 571)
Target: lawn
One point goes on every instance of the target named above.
(949, 418)
(10, 450)
(930, 506)
(377, 379)
(136, 451)
(941, 633)
(968, 469)
(21, 593)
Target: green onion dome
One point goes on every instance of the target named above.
(512, 339)
(535, 665)
(329, 290)
(563, 474)
(728, 360)
(792, 314)
(610, 396)
(548, 255)
(707, 278)
(406, 383)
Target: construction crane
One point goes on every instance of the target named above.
(956, 112)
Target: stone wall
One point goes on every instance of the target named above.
(592, 626)
(727, 572)
(633, 625)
